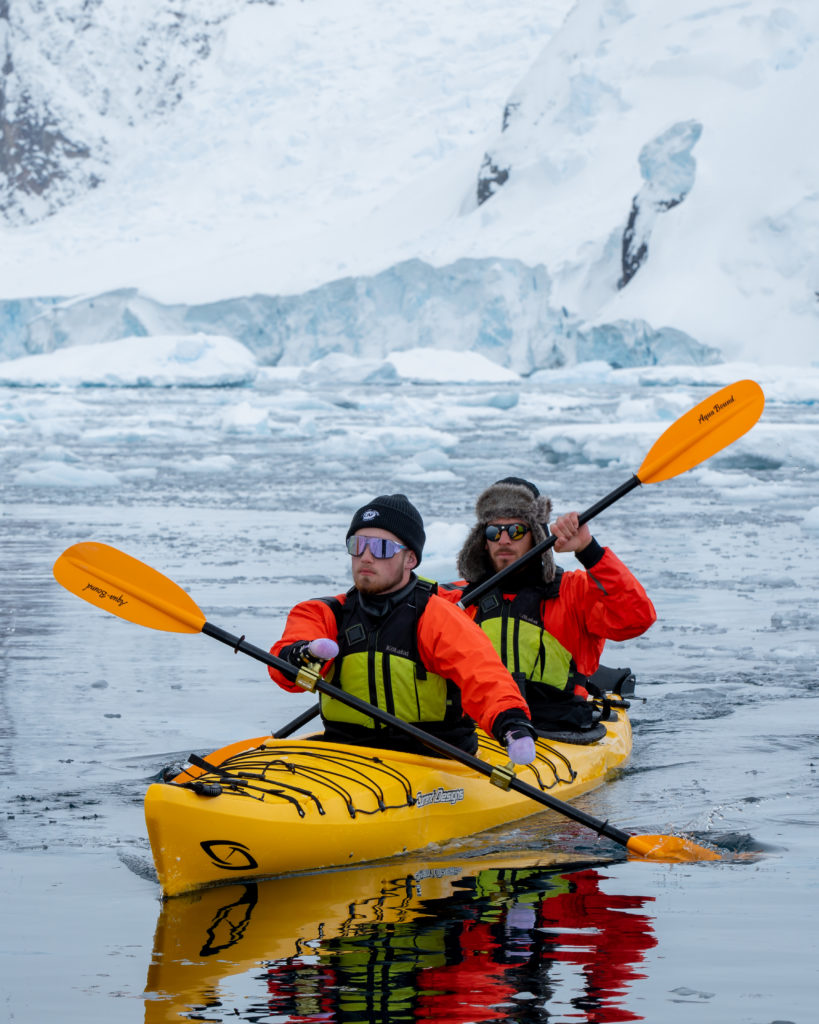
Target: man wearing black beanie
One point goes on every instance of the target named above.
(392, 641)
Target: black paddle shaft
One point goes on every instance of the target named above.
(297, 723)
(476, 764)
(550, 541)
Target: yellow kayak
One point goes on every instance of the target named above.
(267, 807)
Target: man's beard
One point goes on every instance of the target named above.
(377, 585)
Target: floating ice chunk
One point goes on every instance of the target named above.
(444, 540)
(811, 520)
(598, 443)
(433, 458)
(245, 418)
(197, 360)
(445, 537)
(734, 481)
(342, 368)
(445, 366)
(401, 440)
(274, 376)
(59, 474)
(414, 473)
(593, 371)
(790, 384)
(668, 406)
(210, 464)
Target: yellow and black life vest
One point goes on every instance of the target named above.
(515, 627)
(378, 661)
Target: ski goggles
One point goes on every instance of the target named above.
(379, 546)
(515, 531)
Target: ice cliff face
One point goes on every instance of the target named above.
(498, 308)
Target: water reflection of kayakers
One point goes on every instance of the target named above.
(547, 625)
(602, 933)
(503, 954)
(400, 646)
(470, 955)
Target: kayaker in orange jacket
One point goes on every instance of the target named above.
(548, 626)
(393, 641)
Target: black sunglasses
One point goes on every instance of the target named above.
(515, 531)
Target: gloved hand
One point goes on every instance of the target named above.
(303, 651)
(519, 744)
(322, 649)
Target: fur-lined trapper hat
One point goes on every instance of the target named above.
(510, 498)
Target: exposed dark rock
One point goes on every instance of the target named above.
(508, 113)
(63, 70)
(668, 170)
(37, 158)
(490, 179)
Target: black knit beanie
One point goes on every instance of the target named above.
(396, 513)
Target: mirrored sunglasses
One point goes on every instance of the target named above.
(380, 546)
(515, 531)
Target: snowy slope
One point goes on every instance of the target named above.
(686, 122)
(273, 148)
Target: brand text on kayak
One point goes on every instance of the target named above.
(439, 796)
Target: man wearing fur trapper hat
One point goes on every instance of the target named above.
(547, 624)
(394, 642)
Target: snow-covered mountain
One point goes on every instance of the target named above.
(538, 182)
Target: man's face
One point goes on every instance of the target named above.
(373, 575)
(505, 551)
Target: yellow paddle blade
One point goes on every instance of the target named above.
(703, 431)
(123, 586)
(669, 849)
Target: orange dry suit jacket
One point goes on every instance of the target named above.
(604, 602)
(449, 644)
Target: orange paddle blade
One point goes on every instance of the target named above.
(703, 431)
(123, 586)
(670, 849)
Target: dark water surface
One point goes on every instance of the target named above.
(538, 921)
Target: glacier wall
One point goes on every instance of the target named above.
(496, 307)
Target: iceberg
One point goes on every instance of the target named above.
(193, 360)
